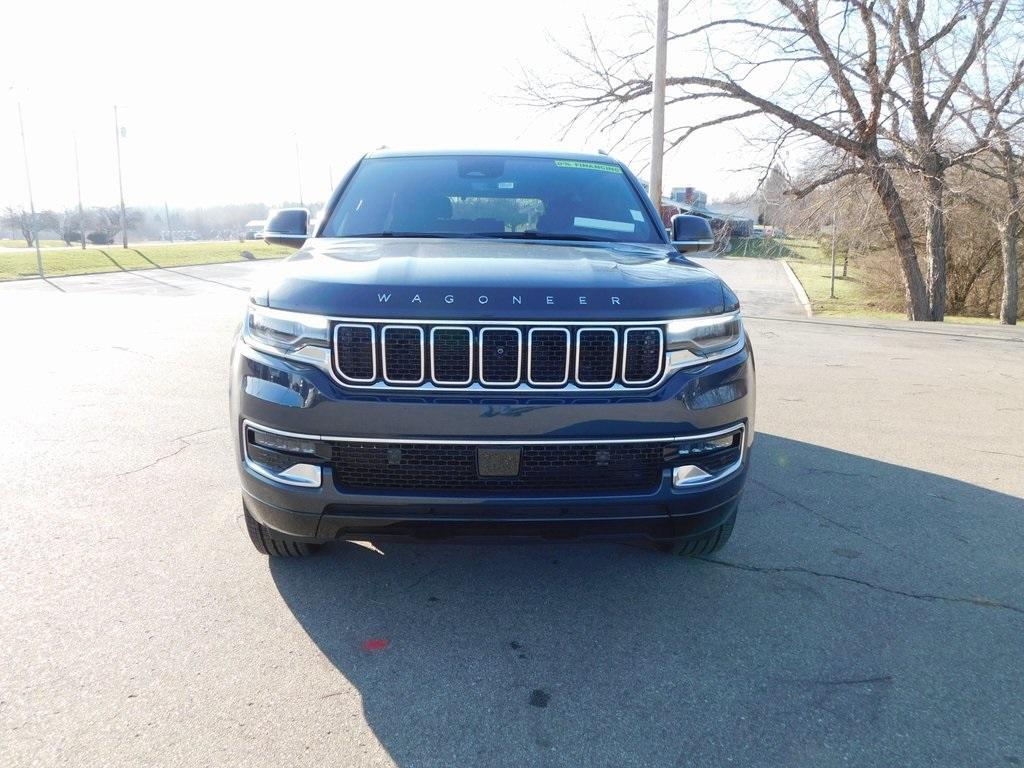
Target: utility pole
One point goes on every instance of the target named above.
(298, 168)
(81, 212)
(33, 223)
(120, 181)
(167, 215)
(832, 280)
(658, 109)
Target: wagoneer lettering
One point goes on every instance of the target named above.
(485, 348)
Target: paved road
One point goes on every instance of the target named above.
(868, 611)
(762, 285)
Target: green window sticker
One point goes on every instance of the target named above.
(587, 165)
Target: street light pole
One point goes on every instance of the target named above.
(658, 108)
(120, 182)
(31, 202)
(81, 212)
(298, 168)
(167, 215)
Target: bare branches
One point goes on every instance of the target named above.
(802, 192)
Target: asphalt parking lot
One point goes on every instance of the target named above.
(869, 609)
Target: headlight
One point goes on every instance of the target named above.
(695, 340)
(288, 333)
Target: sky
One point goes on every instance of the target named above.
(235, 102)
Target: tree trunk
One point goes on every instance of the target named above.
(1011, 288)
(913, 282)
(935, 239)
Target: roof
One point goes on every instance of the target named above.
(545, 153)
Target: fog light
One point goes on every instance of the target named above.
(301, 474)
(705, 445)
(688, 475)
(281, 443)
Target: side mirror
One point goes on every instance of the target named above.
(287, 226)
(691, 234)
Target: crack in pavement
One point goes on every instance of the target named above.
(979, 601)
(185, 444)
(154, 462)
(810, 510)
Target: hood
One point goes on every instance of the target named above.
(481, 279)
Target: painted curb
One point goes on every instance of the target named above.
(801, 294)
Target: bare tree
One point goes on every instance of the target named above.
(19, 218)
(832, 74)
(995, 116)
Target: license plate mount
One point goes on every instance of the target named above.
(498, 462)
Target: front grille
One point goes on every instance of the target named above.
(595, 355)
(403, 354)
(641, 360)
(549, 356)
(548, 469)
(451, 356)
(500, 355)
(354, 352)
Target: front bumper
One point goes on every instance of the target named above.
(270, 392)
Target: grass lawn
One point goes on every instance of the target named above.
(110, 258)
(813, 269)
(852, 297)
(5, 243)
(775, 248)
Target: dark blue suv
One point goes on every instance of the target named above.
(478, 344)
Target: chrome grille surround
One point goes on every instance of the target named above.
(434, 377)
(614, 357)
(476, 332)
(336, 357)
(384, 354)
(519, 354)
(625, 354)
(529, 357)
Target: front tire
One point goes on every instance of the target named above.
(704, 544)
(274, 544)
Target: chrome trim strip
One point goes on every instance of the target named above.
(741, 428)
(615, 357)
(625, 353)
(469, 352)
(735, 428)
(529, 358)
(384, 354)
(519, 356)
(373, 355)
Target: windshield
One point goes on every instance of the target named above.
(487, 196)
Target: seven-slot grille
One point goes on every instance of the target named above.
(452, 356)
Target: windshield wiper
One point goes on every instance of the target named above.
(533, 235)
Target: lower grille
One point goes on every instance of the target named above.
(548, 469)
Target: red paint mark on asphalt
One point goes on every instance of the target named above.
(375, 644)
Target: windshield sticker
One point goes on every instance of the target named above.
(637, 216)
(588, 166)
(506, 185)
(613, 226)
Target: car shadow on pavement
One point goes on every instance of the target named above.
(861, 609)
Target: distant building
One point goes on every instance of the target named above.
(691, 196)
